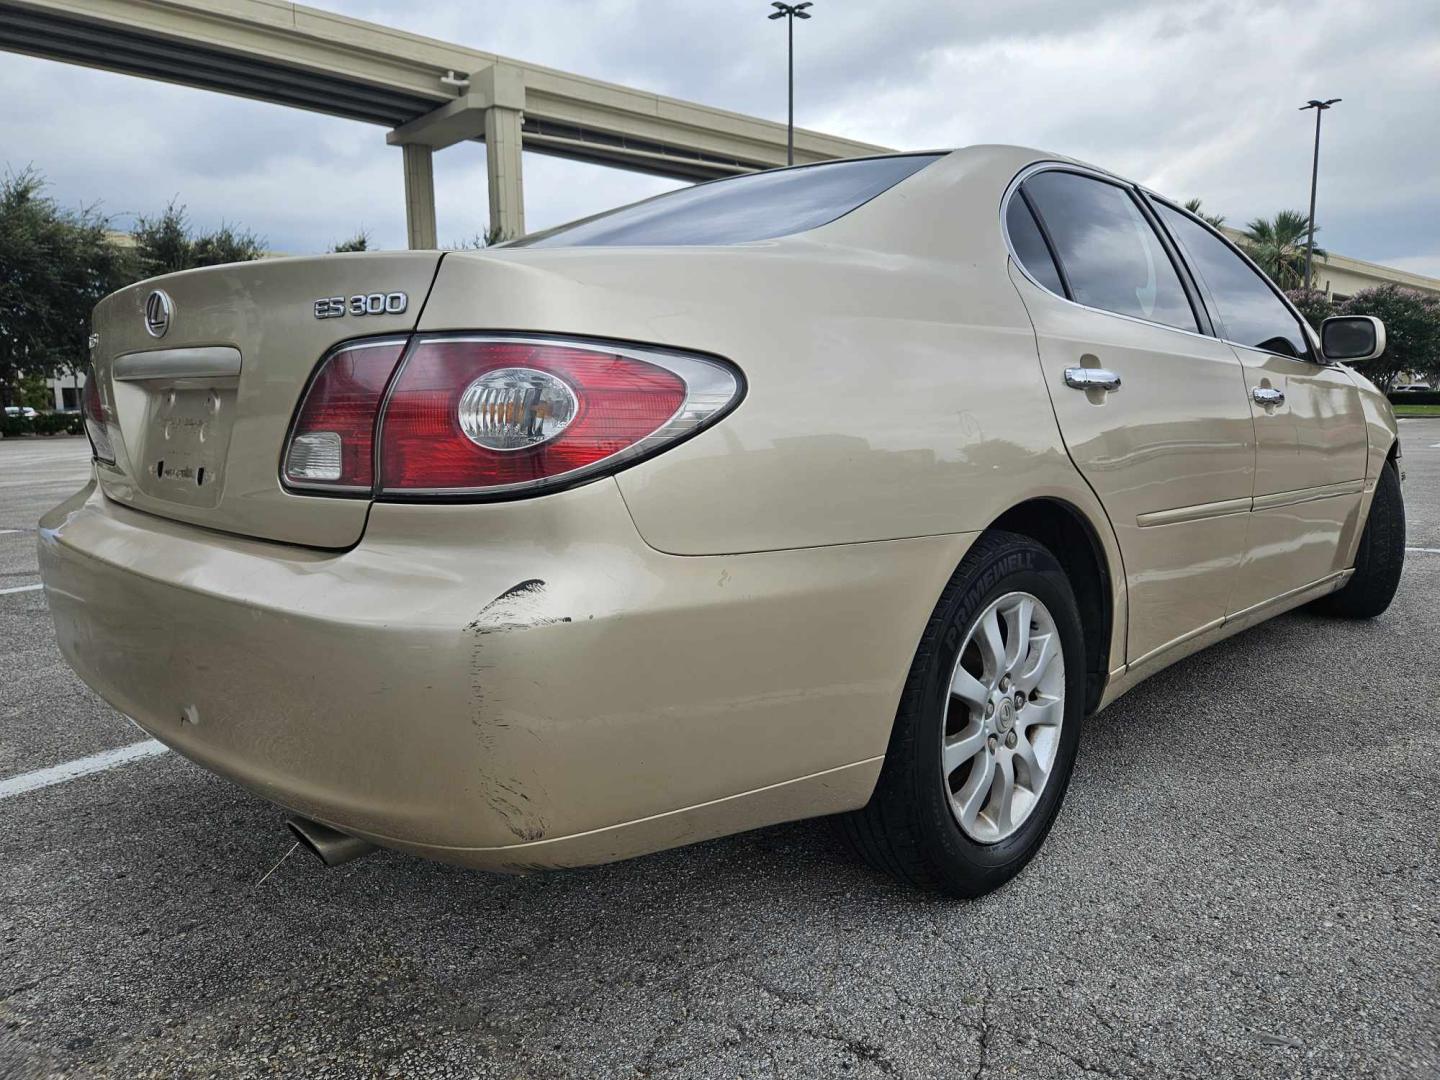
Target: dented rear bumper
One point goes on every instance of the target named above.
(509, 685)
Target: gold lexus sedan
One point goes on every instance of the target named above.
(850, 488)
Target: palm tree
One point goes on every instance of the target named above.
(1213, 220)
(1278, 247)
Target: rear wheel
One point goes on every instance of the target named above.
(1380, 557)
(986, 735)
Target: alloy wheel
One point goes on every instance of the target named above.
(1003, 715)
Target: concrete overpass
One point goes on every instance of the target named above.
(429, 93)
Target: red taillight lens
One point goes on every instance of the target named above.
(493, 415)
(97, 420)
(487, 416)
(332, 445)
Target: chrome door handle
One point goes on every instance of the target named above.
(1091, 378)
(1268, 396)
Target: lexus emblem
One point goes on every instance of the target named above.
(158, 312)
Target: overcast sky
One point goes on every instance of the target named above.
(1195, 99)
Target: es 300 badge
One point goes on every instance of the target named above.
(375, 303)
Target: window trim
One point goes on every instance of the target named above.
(1305, 329)
(1044, 231)
(1189, 280)
(1136, 193)
(1048, 240)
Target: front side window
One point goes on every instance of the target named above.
(758, 206)
(1111, 256)
(1247, 307)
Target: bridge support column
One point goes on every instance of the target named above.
(502, 167)
(490, 108)
(419, 196)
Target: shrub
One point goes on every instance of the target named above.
(1313, 304)
(51, 423)
(1412, 331)
(1414, 397)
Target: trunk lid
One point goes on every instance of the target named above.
(201, 412)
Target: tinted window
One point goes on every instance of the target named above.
(1247, 307)
(1112, 257)
(758, 206)
(1030, 246)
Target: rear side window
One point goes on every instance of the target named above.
(759, 206)
(1112, 258)
(1247, 307)
(1030, 246)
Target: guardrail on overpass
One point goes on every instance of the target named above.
(431, 94)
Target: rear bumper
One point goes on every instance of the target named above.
(507, 686)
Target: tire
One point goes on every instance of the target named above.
(1380, 557)
(912, 827)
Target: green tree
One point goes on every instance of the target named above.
(1278, 247)
(1313, 304)
(1194, 206)
(227, 244)
(55, 265)
(359, 242)
(167, 243)
(34, 391)
(162, 244)
(1412, 332)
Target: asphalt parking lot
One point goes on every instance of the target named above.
(1245, 881)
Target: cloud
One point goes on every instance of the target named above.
(1429, 265)
(1195, 99)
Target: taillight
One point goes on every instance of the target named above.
(484, 416)
(97, 419)
(332, 444)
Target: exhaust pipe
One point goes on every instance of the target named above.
(330, 846)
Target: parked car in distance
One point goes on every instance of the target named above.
(1412, 387)
(21, 412)
(850, 488)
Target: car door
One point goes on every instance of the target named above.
(1168, 446)
(1310, 433)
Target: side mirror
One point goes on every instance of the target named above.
(1352, 337)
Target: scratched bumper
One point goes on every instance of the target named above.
(510, 686)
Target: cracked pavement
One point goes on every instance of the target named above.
(1244, 882)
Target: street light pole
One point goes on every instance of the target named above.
(1319, 107)
(790, 12)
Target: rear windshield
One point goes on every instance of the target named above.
(757, 206)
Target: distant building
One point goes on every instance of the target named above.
(66, 390)
(1341, 277)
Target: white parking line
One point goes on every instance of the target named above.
(7, 532)
(1427, 551)
(21, 588)
(69, 770)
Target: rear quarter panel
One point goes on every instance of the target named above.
(893, 387)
